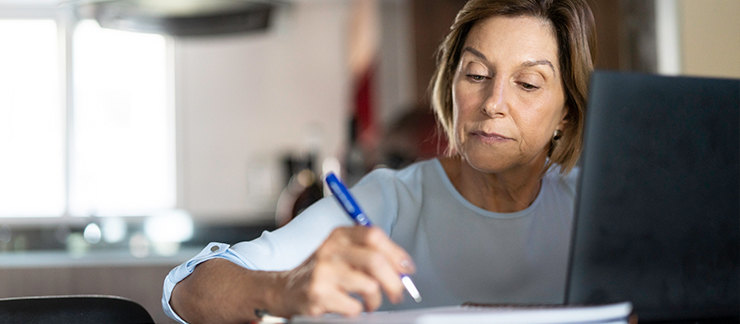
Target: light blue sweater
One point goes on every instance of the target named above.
(462, 252)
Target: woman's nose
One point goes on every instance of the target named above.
(495, 103)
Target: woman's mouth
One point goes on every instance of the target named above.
(489, 137)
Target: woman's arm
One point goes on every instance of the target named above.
(357, 260)
(219, 291)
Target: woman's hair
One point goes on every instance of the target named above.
(573, 24)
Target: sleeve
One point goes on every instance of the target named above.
(211, 251)
(288, 246)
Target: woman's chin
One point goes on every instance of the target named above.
(488, 162)
(500, 160)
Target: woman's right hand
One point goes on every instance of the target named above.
(352, 260)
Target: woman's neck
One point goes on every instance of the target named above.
(504, 192)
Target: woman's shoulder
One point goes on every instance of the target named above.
(563, 181)
(384, 192)
(408, 176)
(401, 185)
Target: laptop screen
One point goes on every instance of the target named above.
(658, 213)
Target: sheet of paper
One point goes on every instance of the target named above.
(602, 314)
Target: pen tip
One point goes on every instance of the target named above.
(411, 288)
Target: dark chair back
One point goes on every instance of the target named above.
(81, 309)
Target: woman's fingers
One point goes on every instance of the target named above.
(378, 267)
(356, 261)
(376, 239)
(332, 299)
(341, 303)
(329, 288)
(352, 281)
(373, 252)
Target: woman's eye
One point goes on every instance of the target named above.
(528, 86)
(476, 77)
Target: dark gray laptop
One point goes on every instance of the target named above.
(658, 210)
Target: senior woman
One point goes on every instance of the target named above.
(490, 222)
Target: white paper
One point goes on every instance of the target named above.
(602, 314)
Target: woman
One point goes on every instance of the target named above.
(488, 223)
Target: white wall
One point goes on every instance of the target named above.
(698, 37)
(244, 101)
(710, 37)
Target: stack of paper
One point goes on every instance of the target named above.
(601, 314)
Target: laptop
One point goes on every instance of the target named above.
(657, 217)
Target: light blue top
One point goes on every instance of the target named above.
(462, 252)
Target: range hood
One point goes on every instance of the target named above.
(182, 17)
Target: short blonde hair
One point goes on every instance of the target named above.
(573, 24)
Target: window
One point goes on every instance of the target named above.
(32, 135)
(115, 156)
(123, 132)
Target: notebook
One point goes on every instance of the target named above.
(551, 314)
(657, 215)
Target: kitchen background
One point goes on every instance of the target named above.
(123, 153)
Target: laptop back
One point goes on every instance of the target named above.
(658, 213)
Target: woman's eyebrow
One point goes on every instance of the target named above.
(475, 52)
(540, 62)
(525, 64)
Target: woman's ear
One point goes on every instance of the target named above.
(564, 118)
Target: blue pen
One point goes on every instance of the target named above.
(350, 206)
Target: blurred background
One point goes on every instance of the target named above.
(132, 133)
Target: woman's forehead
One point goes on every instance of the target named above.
(520, 38)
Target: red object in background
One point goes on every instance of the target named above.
(367, 129)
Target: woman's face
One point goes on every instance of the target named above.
(507, 93)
